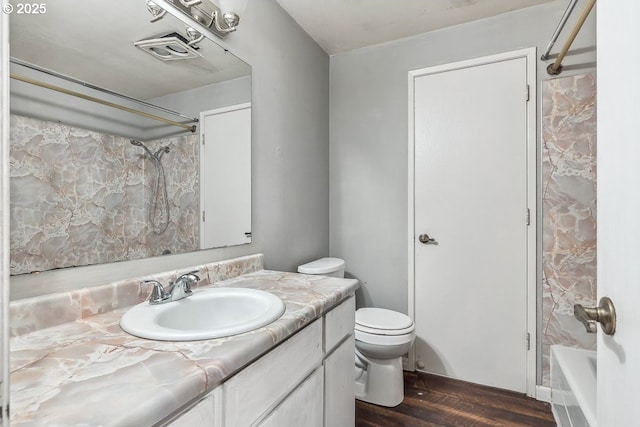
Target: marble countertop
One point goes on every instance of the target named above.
(91, 373)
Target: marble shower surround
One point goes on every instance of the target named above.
(569, 211)
(80, 197)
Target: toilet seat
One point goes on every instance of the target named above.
(380, 321)
(384, 340)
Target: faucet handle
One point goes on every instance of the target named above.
(185, 281)
(157, 293)
(189, 278)
(193, 273)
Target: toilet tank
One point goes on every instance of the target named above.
(333, 267)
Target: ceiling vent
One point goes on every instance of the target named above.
(171, 47)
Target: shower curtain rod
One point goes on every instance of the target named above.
(189, 127)
(556, 68)
(556, 33)
(99, 88)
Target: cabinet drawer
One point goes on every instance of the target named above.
(339, 322)
(263, 384)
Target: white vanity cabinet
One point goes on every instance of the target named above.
(305, 381)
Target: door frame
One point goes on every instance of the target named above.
(532, 180)
(4, 215)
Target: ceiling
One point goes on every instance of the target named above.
(93, 41)
(342, 25)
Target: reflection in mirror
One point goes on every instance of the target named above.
(106, 136)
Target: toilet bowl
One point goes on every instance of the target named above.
(382, 337)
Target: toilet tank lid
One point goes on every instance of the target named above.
(322, 266)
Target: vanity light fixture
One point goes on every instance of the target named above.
(221, 18)
(230, 10)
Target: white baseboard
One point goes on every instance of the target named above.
(543, 393)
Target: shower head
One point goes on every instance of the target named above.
(140, 144)
(154, 156)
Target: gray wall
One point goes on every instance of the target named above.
(290, 108)
(192, 102)
(368, 114)
(290, 157)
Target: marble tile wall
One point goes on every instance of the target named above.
(80, 197)
(569, 210)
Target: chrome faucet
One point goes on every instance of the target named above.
(177, 290)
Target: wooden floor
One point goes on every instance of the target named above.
(430, 400)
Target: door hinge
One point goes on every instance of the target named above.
(528, 216)
(203, 216)
(202, 139)
(528, 341)
(528, 93)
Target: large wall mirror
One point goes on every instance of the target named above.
(129, 138)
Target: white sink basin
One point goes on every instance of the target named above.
(206, 314)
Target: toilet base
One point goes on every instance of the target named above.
(381, 382)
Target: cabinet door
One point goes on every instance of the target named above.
(303, 407)
(258, 388)
(339, 394)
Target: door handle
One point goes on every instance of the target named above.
(604, 313)
(425, 239)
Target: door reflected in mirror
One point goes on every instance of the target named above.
(107, 137)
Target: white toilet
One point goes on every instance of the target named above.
(382, 338)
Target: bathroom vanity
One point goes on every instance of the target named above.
(297, 370)
(302, 382)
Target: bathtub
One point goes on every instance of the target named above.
(573, 386)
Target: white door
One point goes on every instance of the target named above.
(225, 176)
(619, 210)
(471, 196)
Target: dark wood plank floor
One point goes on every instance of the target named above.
(432, 401)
